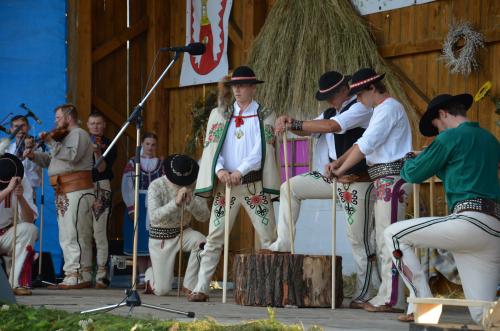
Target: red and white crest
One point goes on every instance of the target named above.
(206, 22)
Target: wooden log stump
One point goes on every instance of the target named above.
(279, 280)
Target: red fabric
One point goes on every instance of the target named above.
(26, 270)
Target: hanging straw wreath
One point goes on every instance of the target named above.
(465, 61)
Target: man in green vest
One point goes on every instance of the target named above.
(466, 158)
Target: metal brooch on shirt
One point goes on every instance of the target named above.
(239, 134)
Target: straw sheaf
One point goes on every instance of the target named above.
(300, 40)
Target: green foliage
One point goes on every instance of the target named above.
(22, 318)
(200, 113)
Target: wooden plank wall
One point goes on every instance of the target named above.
(410, 38)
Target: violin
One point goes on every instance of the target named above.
(58, 134)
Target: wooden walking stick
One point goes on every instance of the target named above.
(180, 251)
(13, 264)
(416, 210)
(334, 241)
(289, 192)
(226, 240)
(42, 206)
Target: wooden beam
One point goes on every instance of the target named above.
(235, 33)
(112, 115)
(79, 50)
(429, 45)
(118, 41)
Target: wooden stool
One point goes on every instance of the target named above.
(428, 310)
(280, 280)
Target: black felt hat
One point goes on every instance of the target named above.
(181, 169)
(362, 79)
(442, 101)
(10, 166)
(243, 75)
(329, 84)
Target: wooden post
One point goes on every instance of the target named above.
(289, 191)
(180, 252)
(334, 236)
(431, 195)
(13, 266)
(226, 240)
(416, 210)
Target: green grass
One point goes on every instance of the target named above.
(15, 317)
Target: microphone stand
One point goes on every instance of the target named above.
(132, 298)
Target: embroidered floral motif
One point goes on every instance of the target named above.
(317, 175)
(220, 207)
(259, 204)
(269, 134)
(62, 203)
(214, 134)
(102, 202)
(383, 188)
(350, 200)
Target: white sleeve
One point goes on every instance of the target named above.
(28, 196)
(128, 186)
(356, 116)
(377, 132)
(252, 161)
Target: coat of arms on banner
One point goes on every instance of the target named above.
(206, 22)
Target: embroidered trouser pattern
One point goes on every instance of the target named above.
(163, 253)
(74, 217)
(357, 200)
(259, 208)
(390, 207)
(26, 237)
(100, 215)
(472, 237)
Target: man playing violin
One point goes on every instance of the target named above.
(101, 176)
(69, 166)
(23, 140)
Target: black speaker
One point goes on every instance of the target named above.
(48, 273)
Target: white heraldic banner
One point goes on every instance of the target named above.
(206, 22)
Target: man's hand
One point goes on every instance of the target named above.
(18, 190)
(331, 167)
(13, 183)
(282, 123)
(28, 153)
(184, 195)
(97, 150)
(224, 176)
(46, 136)
(236, 178)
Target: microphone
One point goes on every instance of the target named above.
(4, 129)
(30, 113)
(193, 48)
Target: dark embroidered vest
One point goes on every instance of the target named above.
(344, 141)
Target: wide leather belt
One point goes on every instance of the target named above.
(388, 169)
(72, 181)
(385, 169)
(252, 176)
(481, 205)
(164, 233)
